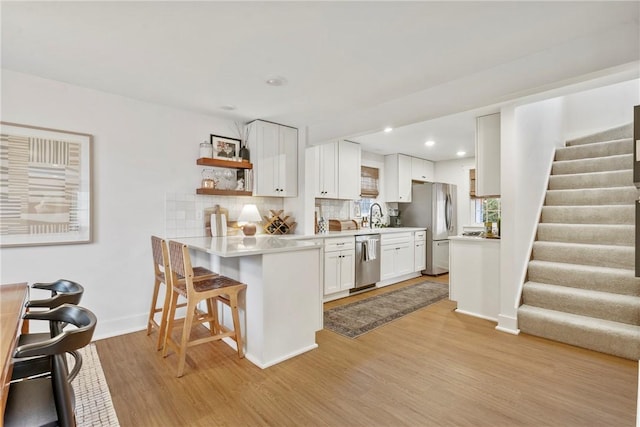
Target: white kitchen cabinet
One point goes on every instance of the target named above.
(396, 255)
(422, 170)
(337, 166)
(420, 252)
(349, 162)
(339, 264)
(274, 153)
(326, 163)
(488, 155)
(397, 178)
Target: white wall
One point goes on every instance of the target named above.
(599, 109)
(457, 172)
(140, 152)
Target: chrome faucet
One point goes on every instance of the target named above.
(371, 224)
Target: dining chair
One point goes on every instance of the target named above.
(50, 401)
(63, 291)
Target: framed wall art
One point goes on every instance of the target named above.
(45, 186)
(225, 148)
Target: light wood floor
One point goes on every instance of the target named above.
(433, 367)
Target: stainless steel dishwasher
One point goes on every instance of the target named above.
(367, 261)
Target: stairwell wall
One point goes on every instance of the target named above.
(595, 110)
(530, 135)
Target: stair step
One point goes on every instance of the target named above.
(607, 179)
(597, 164)
(585, 254)
(604, 279)
(619, 132)
(602, 305)
(619, 339)
(599, 149)
(602, 234)
(592, 196)
(608, 214)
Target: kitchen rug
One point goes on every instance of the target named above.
(357, 318)
(93, 399)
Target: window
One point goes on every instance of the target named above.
(365, 206)
(486, 209)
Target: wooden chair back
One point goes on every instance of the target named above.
(160, 257)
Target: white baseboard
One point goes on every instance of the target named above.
(261, 365)
(508, 324)
(120, 326)
(480, 316)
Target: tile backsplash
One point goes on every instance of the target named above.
(334, 209)
(184, 212)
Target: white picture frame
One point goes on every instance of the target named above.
(46, 186)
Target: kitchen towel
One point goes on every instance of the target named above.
(371, 249)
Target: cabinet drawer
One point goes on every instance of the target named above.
(420, 236)
(339, 244)
(395, 238)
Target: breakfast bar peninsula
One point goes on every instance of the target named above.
(282, 308)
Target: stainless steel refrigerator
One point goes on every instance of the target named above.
(433, 205)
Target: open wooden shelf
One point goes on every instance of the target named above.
(216, 192)
(205, 161)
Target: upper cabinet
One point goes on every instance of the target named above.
(349, 162)
(337, 166)
(397, 180)
(326, 167)
(422, 170)
(488, 155)
(274, 152)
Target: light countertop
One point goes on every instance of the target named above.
(384, 230)
(475, 239)
(235, 246)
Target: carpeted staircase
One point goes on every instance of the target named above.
(580, 287)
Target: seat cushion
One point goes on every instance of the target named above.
(31, 366)
(30, 403)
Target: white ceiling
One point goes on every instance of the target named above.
(352, 68)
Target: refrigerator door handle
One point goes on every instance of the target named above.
(447, 215)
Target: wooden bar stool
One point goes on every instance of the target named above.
(212, 290)
(161, 269)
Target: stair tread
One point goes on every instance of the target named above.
(585, 293)
(591, 144)
(589, 268)
(592, 159)
(583, 245)
(580, 320)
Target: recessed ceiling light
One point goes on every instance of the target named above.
(228, 107)
(388, 129)
(430, 143)
(461, 153)
(276, 81)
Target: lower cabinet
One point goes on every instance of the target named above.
(339, 264)
(396, 255)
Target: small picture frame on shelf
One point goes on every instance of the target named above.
(224, 147)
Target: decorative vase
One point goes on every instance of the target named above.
(244, 153)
